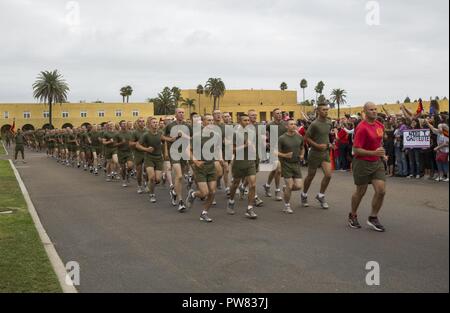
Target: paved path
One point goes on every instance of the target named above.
(125, 244)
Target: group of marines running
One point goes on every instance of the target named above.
(143, 149)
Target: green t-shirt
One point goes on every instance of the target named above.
(136, 136)
(169, 127)
(287, 143)
(108, 136)
(20, 139)
(319, 132)
(149, 139)
(282, 129)
(84, 139)
(204, 140)
(123, 136)
(95, 138)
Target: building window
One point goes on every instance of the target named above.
(118, 113)
(26, 115)
(101, 113)
(46, 114)
(5, 114)
(135, 113)
(83, 114)
(65, 114)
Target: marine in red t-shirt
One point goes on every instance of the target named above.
(368, 136)
(368, 167)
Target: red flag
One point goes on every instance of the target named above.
(12, 129)
(419, 107)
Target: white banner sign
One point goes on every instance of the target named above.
(416, 138)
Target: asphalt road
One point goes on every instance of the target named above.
(124, 243)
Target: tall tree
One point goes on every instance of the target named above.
(407, 100)
(215, 88)
(283, 86)
(200, 91)
(50, 87)
(190, 104)
(303, 85)
(319, 89)
(339, 96)
(123, 93)
(129, 92)
(176, 95)
(164, 103)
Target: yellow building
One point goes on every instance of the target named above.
(35, 115)
(391, 108)
(241, 101)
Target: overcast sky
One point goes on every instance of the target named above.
(100, 46)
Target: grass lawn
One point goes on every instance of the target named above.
(24, 265)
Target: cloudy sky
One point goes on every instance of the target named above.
(100, 46)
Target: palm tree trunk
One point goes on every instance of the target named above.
(50, 112)
(215, 100)
(339, 109)
(303, 94)
(128, 98)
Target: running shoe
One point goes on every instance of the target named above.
(375, 224)
(205, 218)
(190, 199)
(152, 198)
(323, 204)
(278, 196)
(267, 190)
(353, 221)
(250, 213)
(258, 202)
(230, 208)
(181, 207)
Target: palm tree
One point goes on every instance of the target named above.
(129, 92)
(123, 93)
(215, 88)
(319, 88)
(176, 95)
(338, 96)
(304, 85)
(51, 88)
(189, 103)
(283, 86)
(200, 91)
(164, 103)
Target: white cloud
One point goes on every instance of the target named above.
(249, 44)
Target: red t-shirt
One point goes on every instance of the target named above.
(368, 137)
(343, 136)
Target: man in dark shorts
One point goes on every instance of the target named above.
(291, 153)
(138, 154)
(368, 167)
(243, 169)
(276, 172)
(205, 172)
(150, 144)
(181, 129)
(122, 141)
(110, 151)
(318, 138)
(19, 139)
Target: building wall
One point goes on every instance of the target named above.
(36, 110)
(391, 108)
(237, 101)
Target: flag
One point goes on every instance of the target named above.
(13, 127)
(419, 107)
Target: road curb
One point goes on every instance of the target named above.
(55, 260)
(6, 151)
